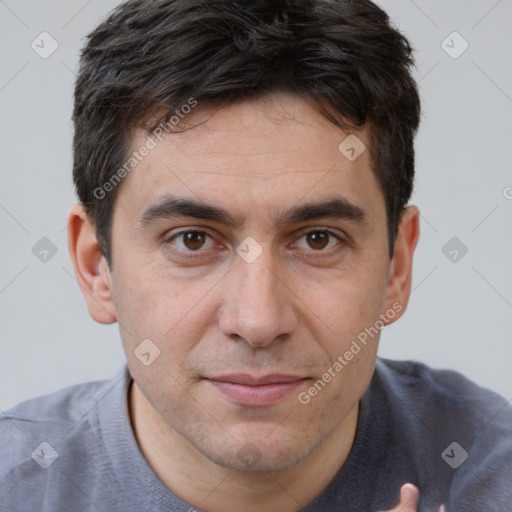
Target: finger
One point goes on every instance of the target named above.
(409, 497)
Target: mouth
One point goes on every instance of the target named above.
(250, 391)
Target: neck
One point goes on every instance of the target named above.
(199, 481)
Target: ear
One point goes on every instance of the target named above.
(400, 270)
(91, 268)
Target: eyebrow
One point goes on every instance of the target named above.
(170, 207)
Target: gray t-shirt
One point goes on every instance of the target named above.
(74, 450)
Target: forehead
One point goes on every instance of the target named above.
(273, 150)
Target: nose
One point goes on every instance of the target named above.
(257, 303)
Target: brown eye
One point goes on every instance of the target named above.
(192, 241)
(318, 239)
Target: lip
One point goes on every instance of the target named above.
(249, 391)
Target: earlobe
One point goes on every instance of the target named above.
(400, 269)
(91, 269)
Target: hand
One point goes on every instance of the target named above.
(409, 497)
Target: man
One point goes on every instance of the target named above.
(244, 171)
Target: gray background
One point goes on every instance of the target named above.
(460, 313)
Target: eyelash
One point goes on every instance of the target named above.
(199, 253)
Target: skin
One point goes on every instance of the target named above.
(293, 310)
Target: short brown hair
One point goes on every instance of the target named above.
(342, 56)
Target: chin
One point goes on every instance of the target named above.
(256, 455)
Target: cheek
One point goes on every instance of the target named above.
(169, 312)
(342, 308)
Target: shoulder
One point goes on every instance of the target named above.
(66, 402)
(461, 430)
(38, 431)
(427, 389)
(56, 410)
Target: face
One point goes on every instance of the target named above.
(252, 253)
